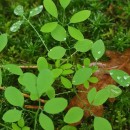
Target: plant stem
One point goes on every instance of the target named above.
(5, 126)
(69, 57)
(36, 32)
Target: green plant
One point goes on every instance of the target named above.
(65, 71)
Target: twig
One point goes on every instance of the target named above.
(32, 107)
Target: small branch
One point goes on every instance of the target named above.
(32, 107)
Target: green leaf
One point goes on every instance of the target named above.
(45, 122)
(98, 49)
(15, 127)
(3, 41)
(101, 97)
(44, 81)
(68, 127)
(49, 27)
(75, 33)
(56, 52)
(12, 115)
(50, 8)
(93, 79)
(55, 105)
(66, 66)
(13, 69)
(81, 76)
(80, 16)
(67, 72)
(50, 92)
(14, 96)
(56, 72)
(83, 46)
(64, 3)
(74, 115)
(86, 84)
(57, 63)
(59, 33)
(36, 11)
(67, 84)
(19, 10)
(42, 63)
(25, 81)
(26, 128)
(101, 124)
(91, 95)
(0, 77)
(120, 77)
(21, 122)
(114, 91)
(86, 62)
(16, 26)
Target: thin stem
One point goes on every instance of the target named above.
(5, 126)
(69, 57)
(64, 93)
(36, 32)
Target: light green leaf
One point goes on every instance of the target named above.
(12, 115)
(21, 122)
(56, 72)
(15, 127)
(19, 10)
(50, 8)
(56, 52)
(13, 69)
(11, 93)
(81, 76)
(0, 77)
(101, 124)
(114, 91)
(25, 81)
(120, 77)
(64, 3)
(98, 49)
(80, 16)
(74, 115)
(55, 105)
(16, 26)
(36, 11)
(75, 33)
(93, 79)
(57, 63)
(45, 122)
(67, 72)
(44, 81)
(3, 41)
(66, 66)
(86, 84)
(67, 84)
(59, 33)
(91, 95)
(50, 92)
(101, 97)
(83, 46)
(68, 127)
(26, 128)
(42, 63)
(86, 62)
(49, 27)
